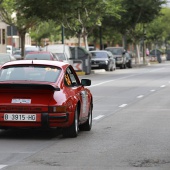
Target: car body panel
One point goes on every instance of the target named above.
(51, 102)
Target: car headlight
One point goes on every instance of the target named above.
(106, 61)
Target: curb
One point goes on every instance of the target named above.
(98, 71)
(80, 73)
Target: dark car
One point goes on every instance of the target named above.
(119, 54)
(103, 60)
(41, 55)
(128, 59)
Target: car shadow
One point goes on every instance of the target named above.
(30, 133)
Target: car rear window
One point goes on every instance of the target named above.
(30, 73)
(115, 51)
(38, 57)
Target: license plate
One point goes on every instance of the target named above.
(19, 117)
(95, 65)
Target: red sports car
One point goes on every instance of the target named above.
(44, 94)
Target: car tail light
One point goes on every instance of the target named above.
(57, 109)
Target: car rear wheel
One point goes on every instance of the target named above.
(87, 126)
(73, 130)
(111, 69)
(129, 64)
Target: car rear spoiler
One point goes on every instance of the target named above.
(29, 86)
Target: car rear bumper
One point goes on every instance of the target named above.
(44, 120)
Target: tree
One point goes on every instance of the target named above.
(79, 16)
(44, 30)
(11, 14)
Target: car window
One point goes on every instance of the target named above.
(70, 79)
(17, 52)
(99, 55)
(30, 73)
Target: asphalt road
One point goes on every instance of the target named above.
(131, 128)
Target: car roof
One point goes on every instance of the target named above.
(38, 62)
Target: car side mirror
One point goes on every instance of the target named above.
(86, 82)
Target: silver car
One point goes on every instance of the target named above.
(103, 60)
(119, 54)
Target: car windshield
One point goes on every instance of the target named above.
(38, 57)
(30, 73)
(4, 58)
(99, 55)
(115, 51)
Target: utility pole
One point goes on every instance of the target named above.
(62, 34)
(100, 35)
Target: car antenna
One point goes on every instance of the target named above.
(32, 62)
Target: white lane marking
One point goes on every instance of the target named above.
(163, 85)
(98, 117)
(152, 90)
(110, 81)
(2, 166)
(123, 105)
(123, 78)
(140, 96)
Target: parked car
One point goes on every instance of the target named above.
(31, 49)
(44, 94)
(119, 54)
(6, 57)
(41, 55)
(103, 59)
(128, 59)
(17, 54)
(157, 54)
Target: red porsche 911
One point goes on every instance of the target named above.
(44, 94)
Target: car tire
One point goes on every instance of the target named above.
(88, 124)
(107, 68)
(121, 66)
(130, 64)
(73, 130)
